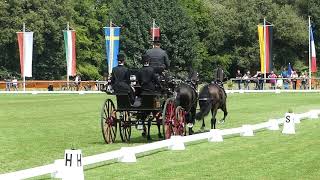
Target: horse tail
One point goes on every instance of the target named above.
(204, 111)
(205, 104)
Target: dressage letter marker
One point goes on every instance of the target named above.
(288, 124)
(72, 165)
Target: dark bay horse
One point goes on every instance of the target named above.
(187, 97)
(212, 97)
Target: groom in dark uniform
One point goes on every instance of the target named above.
(120, 79)
(147, 76)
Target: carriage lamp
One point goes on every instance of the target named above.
(133, 80)
(139, 125)
(156, 103)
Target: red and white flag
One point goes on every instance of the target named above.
(155, 31)
(25, 41)
(313, 53)
(70, 47)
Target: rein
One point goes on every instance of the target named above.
(205, 99)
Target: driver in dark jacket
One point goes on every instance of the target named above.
(158, 57)
(120, 79)
(219, 77)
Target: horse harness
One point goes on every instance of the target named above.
(211, 99)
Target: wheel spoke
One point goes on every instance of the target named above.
(125, 134)
(105, 114)
(106, 132)
(113, 130)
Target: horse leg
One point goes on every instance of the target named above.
(192, 119)
(225, 113)
(144, 126)
(159, 122)
(189, 122)
(149, 125)
(191, 131)
(144, 129)
(213, 118)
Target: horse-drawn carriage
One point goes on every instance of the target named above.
(157, 108)
(170, 109)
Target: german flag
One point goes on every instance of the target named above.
(265, 47)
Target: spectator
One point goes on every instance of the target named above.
(294, 77)
(279, 82)
(272, 80)
(239, 77)
(15, 83)
(50, 87)
(286, 81)
(77, 82)
(258, 80)
(246, 79)
(303, 81)
(307, 79)
(8, 82)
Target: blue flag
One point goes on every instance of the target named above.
(289, 70)
(112, 35)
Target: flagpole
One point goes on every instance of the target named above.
(68, 27)
(153, 26)
(310, 83)
(110, 64)
(24, 77)
(265, 51)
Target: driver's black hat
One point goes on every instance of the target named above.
(145, 58)
(121, 57)
(156, 40)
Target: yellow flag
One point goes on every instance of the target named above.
(261, 43)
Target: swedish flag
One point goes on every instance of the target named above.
(112, 35)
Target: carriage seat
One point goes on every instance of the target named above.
(145, 101)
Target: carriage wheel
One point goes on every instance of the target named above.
(180, 122)
(125, 127)
(168, 116)
(109, 121)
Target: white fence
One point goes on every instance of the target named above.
(127, 154)
(273, 91)
(100, 92)
(53, 92)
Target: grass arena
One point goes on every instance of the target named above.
(36, 129)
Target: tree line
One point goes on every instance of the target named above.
(197, 34)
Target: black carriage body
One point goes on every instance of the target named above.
(149, 102)
(124, 115)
